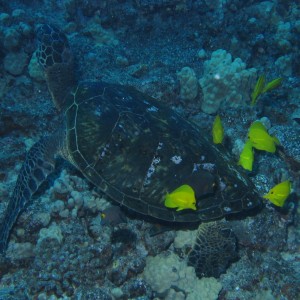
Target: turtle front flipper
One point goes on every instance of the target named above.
(40, 161)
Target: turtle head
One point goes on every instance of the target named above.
(55, 56)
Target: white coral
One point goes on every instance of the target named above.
(225, 82)
(53, 233)
(167, 270)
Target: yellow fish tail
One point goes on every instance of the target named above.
(257, 125)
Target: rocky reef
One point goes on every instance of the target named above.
(201, 58)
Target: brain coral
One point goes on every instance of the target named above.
(214, 250)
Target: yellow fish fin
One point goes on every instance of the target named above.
(257, 125)
(192, 206)
(272, 85)
(180, 208)
(217, 130)
(184, 188)
(258, 88)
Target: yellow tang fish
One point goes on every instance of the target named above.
(217, 130)
(279, 193)
(247, 156)
(258, 89)
(260, 138)
(261, 87)
(272, 85)
(181, 198)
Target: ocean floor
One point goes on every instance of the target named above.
(202, 58)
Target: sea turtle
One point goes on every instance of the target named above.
(131, 146)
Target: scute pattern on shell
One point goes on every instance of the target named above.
(136, 150)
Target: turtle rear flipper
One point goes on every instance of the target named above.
(38, 165)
